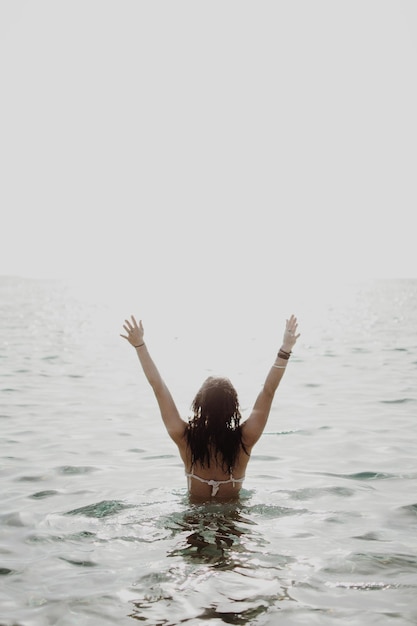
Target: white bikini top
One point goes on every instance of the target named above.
(214, 484)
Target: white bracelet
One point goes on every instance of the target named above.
(280, 367)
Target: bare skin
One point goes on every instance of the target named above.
(252, 427)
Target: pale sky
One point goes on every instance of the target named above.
(202, 147)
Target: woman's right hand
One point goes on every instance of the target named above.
(290, 334)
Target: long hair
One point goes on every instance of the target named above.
(214, 429)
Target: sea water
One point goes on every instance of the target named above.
(95, 524)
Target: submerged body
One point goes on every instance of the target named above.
(214, 446)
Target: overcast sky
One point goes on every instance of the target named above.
(197, 146)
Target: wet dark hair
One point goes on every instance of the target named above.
(214, 429)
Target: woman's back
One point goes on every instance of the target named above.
(215, 481)
(214, 453)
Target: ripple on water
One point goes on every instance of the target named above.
(374, 563)
(79, 563)
(12, 519)
(234, 597)
(409, 508)
(5, 571)
(30, 479)
(76, 469)
(82, 535)
(398, 401)
(363, 476)
(272, 511)
(105, 508)
(371, 536)
(309, 493)
(44, 494)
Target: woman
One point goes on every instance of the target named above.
(214, 446)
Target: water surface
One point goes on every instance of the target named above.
(95, 524)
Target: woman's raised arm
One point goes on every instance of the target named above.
(254, 426)
(174, 424)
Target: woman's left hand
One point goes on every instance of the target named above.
(290, 334)
(134, 331)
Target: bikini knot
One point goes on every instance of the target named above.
(215, 484)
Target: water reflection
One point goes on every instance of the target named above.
(219, 535)
(217, 569)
